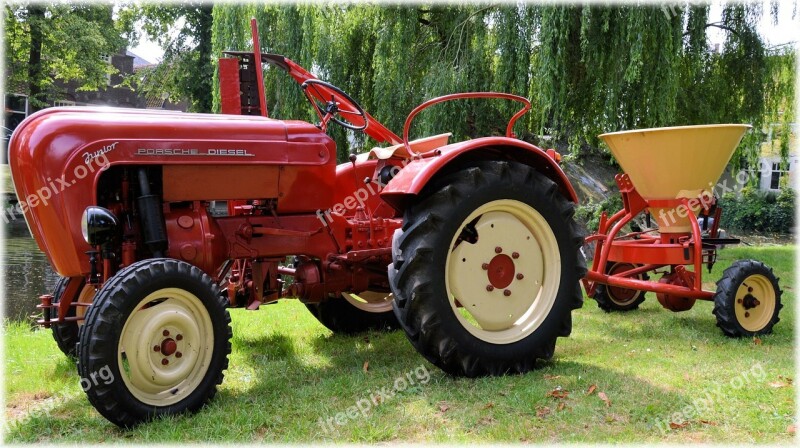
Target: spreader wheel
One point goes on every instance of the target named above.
(356, 313)
(66, 333)
(612, 298)
(485, 270)
(158, 335)
(748, 299)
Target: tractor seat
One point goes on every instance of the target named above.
(420, 145)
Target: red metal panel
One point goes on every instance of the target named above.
(262, 100)
(229, 93)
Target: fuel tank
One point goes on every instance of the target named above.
(57, 155)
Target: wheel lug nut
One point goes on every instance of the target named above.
(489, 288)
(507, 292)
(739, 301)
(156, 348)
(515, 255)
(498, 249)
(165, 333)
(164, 361)
(178, 354)
(747, 314)
(485, 266)
(179, 337)
(520, 276)
(749, 289)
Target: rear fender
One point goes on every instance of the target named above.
(412, 179)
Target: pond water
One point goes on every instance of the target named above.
(26, 271)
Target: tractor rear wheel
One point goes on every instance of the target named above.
(486, 268)
(155, 342)
(352, 314)
(748, 299)
(612, 298)
(66, 333)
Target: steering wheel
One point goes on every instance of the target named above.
(329, 101)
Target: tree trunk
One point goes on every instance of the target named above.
(35, 75)
(202, 96)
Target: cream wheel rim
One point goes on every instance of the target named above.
(370, 301)
(165, 347)
(86, 296)
(503, 283)
(755, 303)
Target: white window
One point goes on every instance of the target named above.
(60, 103)
(775, 179)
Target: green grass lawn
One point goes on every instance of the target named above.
(287, 372)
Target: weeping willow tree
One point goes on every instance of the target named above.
(587, 69)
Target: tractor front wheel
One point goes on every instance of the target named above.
(66, 333)
(485, 270)
(155, 342)
(356, 313)
(748, 299)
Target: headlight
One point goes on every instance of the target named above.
(98, 226)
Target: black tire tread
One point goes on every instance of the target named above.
(65, 334)
(725, 297)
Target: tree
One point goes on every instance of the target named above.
(186, 71)
(587, 69)
(47, 42)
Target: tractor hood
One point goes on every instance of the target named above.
(56, 157)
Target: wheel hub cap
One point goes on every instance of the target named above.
(168, 347)
(501, 271)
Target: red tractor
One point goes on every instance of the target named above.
(160, 221)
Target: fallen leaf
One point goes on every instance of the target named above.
(488, 406)
(756, 340)
(791, 429)
(558, 393)
(777, 384)
(551, 377)
(542, 411)
(591, 390)
(604, 397)
(366, 366)
(788, 379)
(561, 405)
(674, 425)
(443, 407)
(708, 422)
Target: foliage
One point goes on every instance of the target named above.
(186, 71)
(51, 43)
(587, 68)
(589, 213)
(759, 211)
